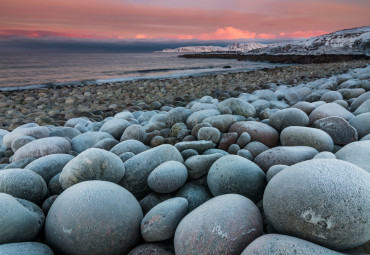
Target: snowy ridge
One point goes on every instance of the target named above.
(349, 41)
(239, 47)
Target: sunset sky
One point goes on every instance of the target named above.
(179, 19)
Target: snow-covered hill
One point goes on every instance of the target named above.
(349, 41)
(240, 47)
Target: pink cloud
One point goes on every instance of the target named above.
(228, 33)
(266, 36)
(302, 34)
(142, 36)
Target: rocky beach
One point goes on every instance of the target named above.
(271, 161)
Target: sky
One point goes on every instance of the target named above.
(178, 20)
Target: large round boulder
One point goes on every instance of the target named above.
(34, 131)
(131, 145)
(275, 244)
(223, 225)
(305, 136)
(21, 220)
(92, 164)
(288, 117)
(115, 127)
(196, 195)
(325, 201)
(23, 183)
(258, 131)
(362, 124)
(94, 217)
(135, 132)
(43, 147)
(235, 174)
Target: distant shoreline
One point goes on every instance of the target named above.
(281, 58)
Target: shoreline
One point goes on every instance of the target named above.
(56, 105)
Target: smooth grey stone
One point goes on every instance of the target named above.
(135, 132)
(357, 153)
(101, 218)
(115, 127)
(266, 114)
(106, 144)
(288, 117)
(82, 121)
(363, 108)
(221, 122)
(94, 126)
(49, 166)
(245, 154)
(256, 148)
(215, 151)
(161, 221)
(35, 131)
(287, 155)
(92, 164)
(88, 140)
(258, 131)
(235, 174)
(176, 115)
(223, 225)
(275, 244)
(177, 128)
(265, 94)
(29, 248)
(197, 117)
(199, 146)
(202, 106)
(206, 99)
(146, 116)
(126, 156)
(243, 139)
(233, 149)
(158, 118)
(361, 123)
(278, 105)
(329, 110)
(153, 249)
(274, 170)
(54, 186)
(342, 103)
(188, 153)
(19, 141)
(124, 115)
(20, 163)
(312, 97)
(46, 205)
(151, 200)
(131, 145)
(139, 167)
(196, 195)
(66, 132)
(331, 96)
(338, 128)
(291, 97)
(366, 137)
(238, 107)
(260, 105)
(325, 154)
(167, 177)
(20, 219)
(23, 183)
(197, 166)
(352, 93)
(311, 199)
(359, 101)
(305, 136)
(304, 106)
(209, 134)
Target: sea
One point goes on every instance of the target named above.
(20, 71)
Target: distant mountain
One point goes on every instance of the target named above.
(235, 47)
(349, 41)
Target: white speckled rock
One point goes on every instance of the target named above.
(357, 153)
(325, 201)
(288, 117)
(238, 107)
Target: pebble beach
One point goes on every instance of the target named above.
(271, 161)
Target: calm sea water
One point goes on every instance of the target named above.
(33, 70)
